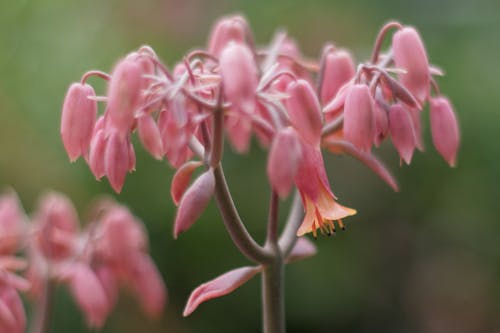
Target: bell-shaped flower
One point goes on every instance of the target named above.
(239, 77)
(194, 202)
(226, 30)
(337, 68)
(283, 161)
(409, 54)
(304, 111)
(117, 160)
(320, 206)
(124, 96)
(77, 119)
(58, 226)
(402, 131)
(12, 226)
(88, 293)
(149, 134)
(444, 128)
(359, 119)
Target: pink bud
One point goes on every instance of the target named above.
(57, 221)
(181, 179)
(239, 76)
(303, 249)
(124, 94)
(149, 134)
(116, 160)
(109, 283)
(359, 120)
(12, 315)
(11, 223)
(402, 132)
(409, 54)
(336, 70)
(304, 111)
(220, 286)
(284, 157)
(444, 127)
(77, 120)
(239, 131)
(226, 30)
(194, 201)
(89, 294)
(416, 116)
(148, 285)
(96, 155)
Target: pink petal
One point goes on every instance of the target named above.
(96, 156)
(226, 30)
(89, 294)
(359, 119)
(402, 132)
(337, 70)
(303, 249)
(149, 134)
(116, 160)
(283, 161)
(194, 201)
(304, 110)
(444, 128)
(77, 120)
(181, 179)
(220, 286)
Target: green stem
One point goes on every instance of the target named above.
(273, 297)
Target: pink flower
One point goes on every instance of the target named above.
(12, 315)
(226, 30)
(12, 225)
(77, 119)
(58, 226)
(320, 206)
(409, 54)
(337, 68)
(444, 128)
(359, 119)
(402, 132)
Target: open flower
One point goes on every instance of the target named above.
(321, 209)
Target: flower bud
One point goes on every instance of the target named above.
(444, 128)
(282, 164)
(402, 132)
(77, 119)
(58, 223)
(359, 120)
(194, 202)
(304, 111)
(337, 69)
(409, 54)
(239, 77)
(226, 30)
(124, 94)
(116, 160)
(149, 134)
(11, 223)
(181, 179)
(12, 315)
(96, 155)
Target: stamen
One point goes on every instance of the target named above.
(341, 225)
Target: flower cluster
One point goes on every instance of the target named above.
(93, 262)
(294, 107)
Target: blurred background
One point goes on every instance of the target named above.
(426, 259)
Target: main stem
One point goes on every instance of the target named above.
(43, 309)
(273, 297)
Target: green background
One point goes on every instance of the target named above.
(426, 259)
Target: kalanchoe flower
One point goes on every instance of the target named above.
(402, 132)
(409, 54)
(337, 68)
(150, 135)
(124, 95)
(320, 206)
(304, 111)
(444, 127)
(226, 30)
(77, 119)
(283, 162)
(359, 120)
